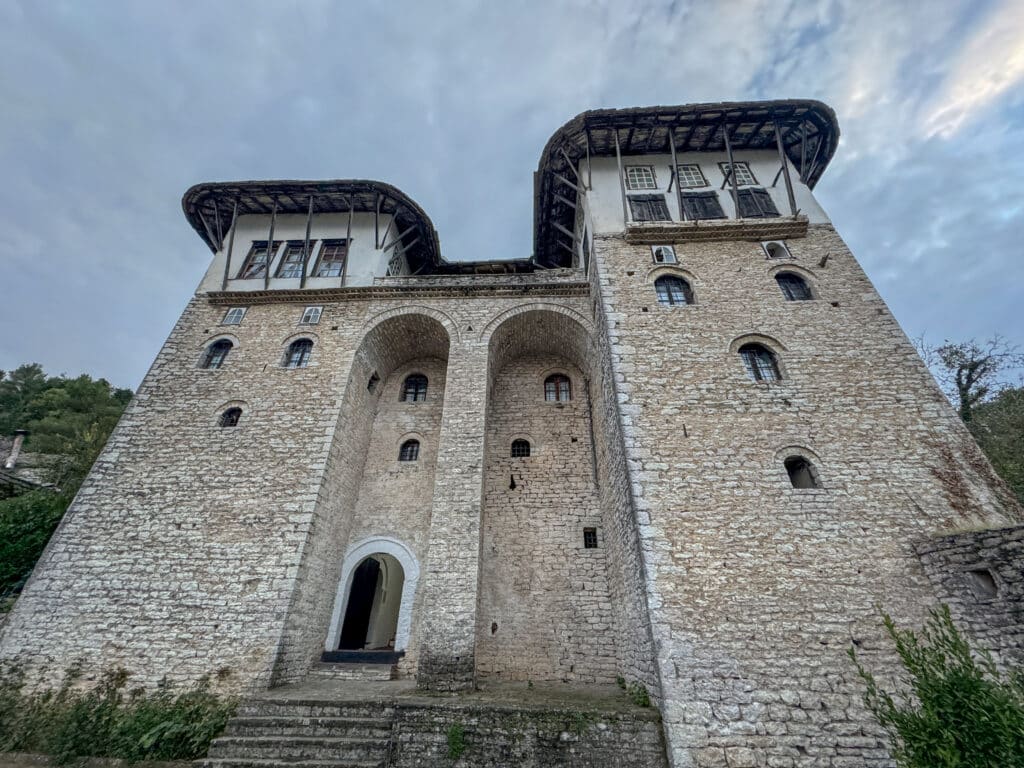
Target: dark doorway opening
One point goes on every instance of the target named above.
(360, 605)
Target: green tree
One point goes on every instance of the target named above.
(998, 426)
(953, 708)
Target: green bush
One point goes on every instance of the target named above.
(26, 523)
(107, 721)
(954, 708)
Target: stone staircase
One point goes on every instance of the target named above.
(276, 733)
(333, 671)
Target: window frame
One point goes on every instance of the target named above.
(790, 277)
(590, 538)
(642, 172)
(687, 291)
(290, 247)
(409, 451)
(700, 173)
(758, 198)
(228, 315)
(210, 353)
(755, 369)
(743, 167)
(302, 361)
(314, 319)
(249, 262)
(671, 252)
(331, 243)
(689, 198)
(419, 394)
(518, 444)
(557, 380)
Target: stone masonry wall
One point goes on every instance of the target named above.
(757, 588)
(544, 610)
(980, 576)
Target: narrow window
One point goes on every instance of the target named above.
(776, 250)
(520, 449)
(557, 388)
(255, 264)
(702, 205)
(332, 258)
(663, 254)
(311, 316)
(298, 353)
(415, 388)
(293, 259)
(983, 583)
(648, 208)
(673, 290)
(744, 176)
(410, 451)
(216, 353)
(233, 316)
(690, 175)
(756, 204)
(760, 363)
(230, 417)
(801, 472)
(640, 177)
(371, 385)
(794, 287)
(590, 538)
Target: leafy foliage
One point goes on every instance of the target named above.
(998, 426)
(456, 741)
(26, 524)
(956, 710)
(105, 721)
(68, 417)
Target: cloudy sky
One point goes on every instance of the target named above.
(112, 109)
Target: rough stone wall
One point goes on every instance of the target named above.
(499, 737)
(961, 566)
(544, 610)
(757, 588)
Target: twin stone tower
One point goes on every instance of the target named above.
(685, 444)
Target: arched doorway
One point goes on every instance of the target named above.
(374, 600)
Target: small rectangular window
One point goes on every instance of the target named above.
(690, 175)
(233, 316)
(640, 177)
(256, 263)
(756, 204)
(311, 316)
(702, 205)
(590, 538)
(648, 208)
(332, 258)
(291, 262)
(663, 254)
(744, 176)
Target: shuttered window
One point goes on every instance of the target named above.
(702, 205)
(648, 208)
(756, 204)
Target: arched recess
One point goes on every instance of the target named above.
(355, 555)
(533, 622)
(354, 504)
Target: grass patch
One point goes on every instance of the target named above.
(456, 741)
(109, 721)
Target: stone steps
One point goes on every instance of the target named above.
(335, 671)
(306, 708)
(292, 749)
(231, 763)
(356, 727)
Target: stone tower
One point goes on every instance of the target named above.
(685, 443)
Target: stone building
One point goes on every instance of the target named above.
(685, 444)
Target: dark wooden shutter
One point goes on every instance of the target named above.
(765, 202)
(756, 204)
(649, 208)
(702, 205)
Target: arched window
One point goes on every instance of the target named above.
(216, 353)
(557, 388)
(760, 362)
(673, 290)
(801, 472)
(298, 353)
(410, 450)
(415, 388)
(520, 449)
(230, 417)
(794, 287)
(776, 250)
